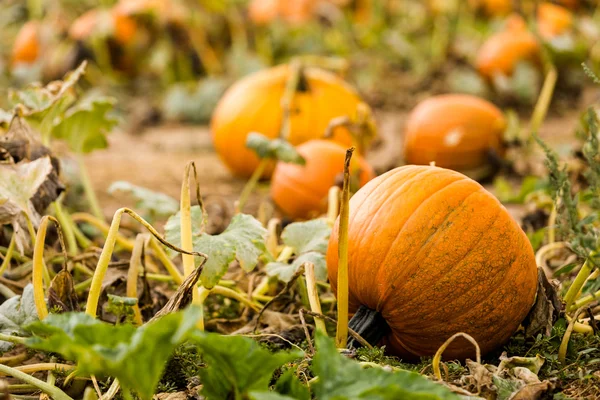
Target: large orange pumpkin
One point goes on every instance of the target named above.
(457, 131)
(553, 20)
(432, 253)
(502, 51)
(300, 191)
(254, 105)
(26, 48)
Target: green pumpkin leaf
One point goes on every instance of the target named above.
(343, 379)
(270, 396)
(284, 272)
(154, 203)
(243, 240)
(307, 236)
(309, 240)
(277, 149)
(84, 126)
(15, 313)
(120, 351)
(237, 365)
(289, 385)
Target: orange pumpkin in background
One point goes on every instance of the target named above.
(26, 48)
(493, 8)
(457, 131)
(553, 20)
(502, 51)
(254, 105)
(300, 191)
(121, 26)
(432, 253)
(263, 12)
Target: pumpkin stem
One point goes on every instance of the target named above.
(369, 324)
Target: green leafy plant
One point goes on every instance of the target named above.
(243, 240)
(308, 241)
(121, 351)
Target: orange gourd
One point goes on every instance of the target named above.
(254, 105)
(300, 191)
(26, 48)
(432, 253)
(457, 131)
(553, 20)
(262, 12)
(493, 7)
(123, 26)
(502, 51)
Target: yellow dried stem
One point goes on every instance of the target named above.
(135, 264)
(341, 337)
(438, 354)
(313, 295)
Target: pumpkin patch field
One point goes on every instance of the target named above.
(299, 199)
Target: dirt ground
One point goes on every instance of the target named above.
(155, 158)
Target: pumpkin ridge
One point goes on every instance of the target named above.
(469, 251)
(481, 340)
(389, 198)
(492, 334)
(384, 296)
(467, 310)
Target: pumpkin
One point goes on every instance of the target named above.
(493, 7)
(432, 253)
(553, 20)
(254, 105)
(26, 48)
(123, 27)
(262, 12)
(457, 131)
(502, 51)
(300, 191)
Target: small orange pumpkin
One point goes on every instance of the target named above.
(300, 191)
(502, 51)
(493, 7)
(553, 20)
(26, 48)
(457, 131)
(432, 253)
(123, 29)
(254, 105)
(262, 12)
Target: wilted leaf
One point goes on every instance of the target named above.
(84, 126)
(135, 356)
(278, 149)
(18, 185)
(155, 203)
(15, 313)
(236, 365)
(546, 309)
(61, 293)
(343, 379)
